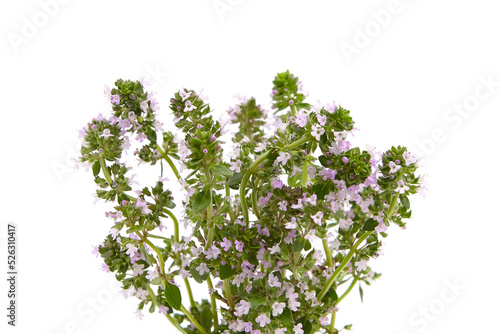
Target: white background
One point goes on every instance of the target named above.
(423, 59)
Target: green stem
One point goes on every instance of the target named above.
(332, 323)
(177, 255)
(394, 200)
(105, 171)
(210, 210)
(193, 320)
(229, 296)
(213, 303)
(169, 161)
(343, 264)
(172, 320)
(176, 224)
(254, 199)
(328, 254)
(157, 251)
(189, 291)
(157, 237)
(253, 168)
(349, 289)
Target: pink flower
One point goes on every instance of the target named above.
(163, 310)
(263, 320)
(202, 269)
(381, 227)
(393, 167)
(324, 321)
(139, 314)
(282, 158)
(242, 308)
(298, 329)
(226, 244)
(301, 119)
(140, 137)
(317, 132)
(277, 184)
(401, 188)
(360, 265)
(105, 268)
(278, 308)
(238, 245)
(331, 108)
(212, 253)
(137, 269)
(273, 281)
(115, 98)
(321, 119)
(282, 205)
(318, 218)
(131, 249)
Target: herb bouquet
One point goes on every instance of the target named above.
(280, 230)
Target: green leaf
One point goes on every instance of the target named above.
(286, 317)
(256, 301)
(152, 308)
(331, 295)
(221, 169)
(173, 296)
(307, 327)
(361, 292)
(196, 275)
(226, 271)
(370, 225)
(96, 168)
(294, 181)
(206, 318)
(156, 281)
(299, 244)
(234, 181)
(321, 189)
(201, 200)
(135, 228)
(405, 201)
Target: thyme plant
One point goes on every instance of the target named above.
(280, 230)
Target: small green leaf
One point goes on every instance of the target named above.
(321, 189)
(152, 308)
(405, 201)
(221, 169)
(298, 244)
(156, 281)
(286, 317)
(135, 228)
(173, 296)
(96, 168)
(294, 181)
(256, 301)
(201, 200)
(361, 292)
(307, 327)
(206, 318)
(370, 225)
(234, 181)
(331, 295)
(226, 271)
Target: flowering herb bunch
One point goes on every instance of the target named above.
(280, 230)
